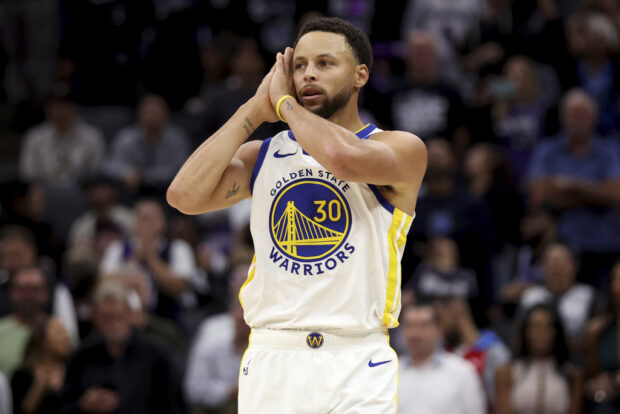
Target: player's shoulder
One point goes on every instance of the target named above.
(408, 145)
(405, 137)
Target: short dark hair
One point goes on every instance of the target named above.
(421, 305)
(357, 39)
(15, 232)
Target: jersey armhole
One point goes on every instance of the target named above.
(259, 162)
(386, 204)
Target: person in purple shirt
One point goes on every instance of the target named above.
(577, 176)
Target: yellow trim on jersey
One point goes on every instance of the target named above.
(251, 273)
(362, 128)
(397, 236)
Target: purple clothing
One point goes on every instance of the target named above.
(588, 228)
(519, 132)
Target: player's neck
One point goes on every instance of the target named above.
(348, 116)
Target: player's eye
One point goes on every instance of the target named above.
(300, 66)
(325, 63)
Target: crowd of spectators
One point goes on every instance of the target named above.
(110, 301)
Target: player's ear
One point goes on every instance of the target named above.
(361, 75)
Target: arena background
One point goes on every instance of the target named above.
(101, 101)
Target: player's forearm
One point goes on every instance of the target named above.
(201, 173)
(328, 143)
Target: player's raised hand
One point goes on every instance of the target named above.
(261, 98)
(282, 81)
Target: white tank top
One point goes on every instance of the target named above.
(327, 252)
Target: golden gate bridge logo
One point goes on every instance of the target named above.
(309, 220)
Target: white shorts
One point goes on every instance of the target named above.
(297, 372)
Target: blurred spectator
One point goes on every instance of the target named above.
(29, 299)
(29, 39)
(64, 148)
(37, 383)
(102, 196)
(100, 49)
(518, 112)
(491, 40)
(24, 204)
(137, 280)
(213, 365)
(539, 379)
(247, 68)
(17, 250)
(219, 325)
(574, 301)
(81, 272)
(483, 348)
(169, 263)
(490, 180)
(538, 230)
(106, 233)
(578, 175)
(150, 153)
(597, 70)
(602, 354)
(431, 380)
(425, 105)
(440, 274)
(6, 398)
(120, 370)
(450, 23)
(445, 208)
(172, 38)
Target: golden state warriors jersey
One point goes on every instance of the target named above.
(327, 251)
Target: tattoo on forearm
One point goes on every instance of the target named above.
(248, 126)
(233, 191)
(289, 106)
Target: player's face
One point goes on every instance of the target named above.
(324, 72)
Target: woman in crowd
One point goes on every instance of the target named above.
(37, 384)
(603, 354)
(539, 379)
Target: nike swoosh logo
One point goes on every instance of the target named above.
(375, 364)
(278, 155)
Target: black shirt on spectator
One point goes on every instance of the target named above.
(142, 377)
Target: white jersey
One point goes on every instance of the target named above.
(327, 251)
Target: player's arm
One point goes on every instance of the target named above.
(388, 158)
(217, 175)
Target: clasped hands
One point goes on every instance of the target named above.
(276, 84)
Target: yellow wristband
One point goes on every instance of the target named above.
(280, 103)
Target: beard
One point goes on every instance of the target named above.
(331, 105)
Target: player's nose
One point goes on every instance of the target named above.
(310, 73)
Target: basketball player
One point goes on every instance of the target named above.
(333, 200)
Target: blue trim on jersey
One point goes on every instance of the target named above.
(381, 199)
(364, 133)
(259, 162)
